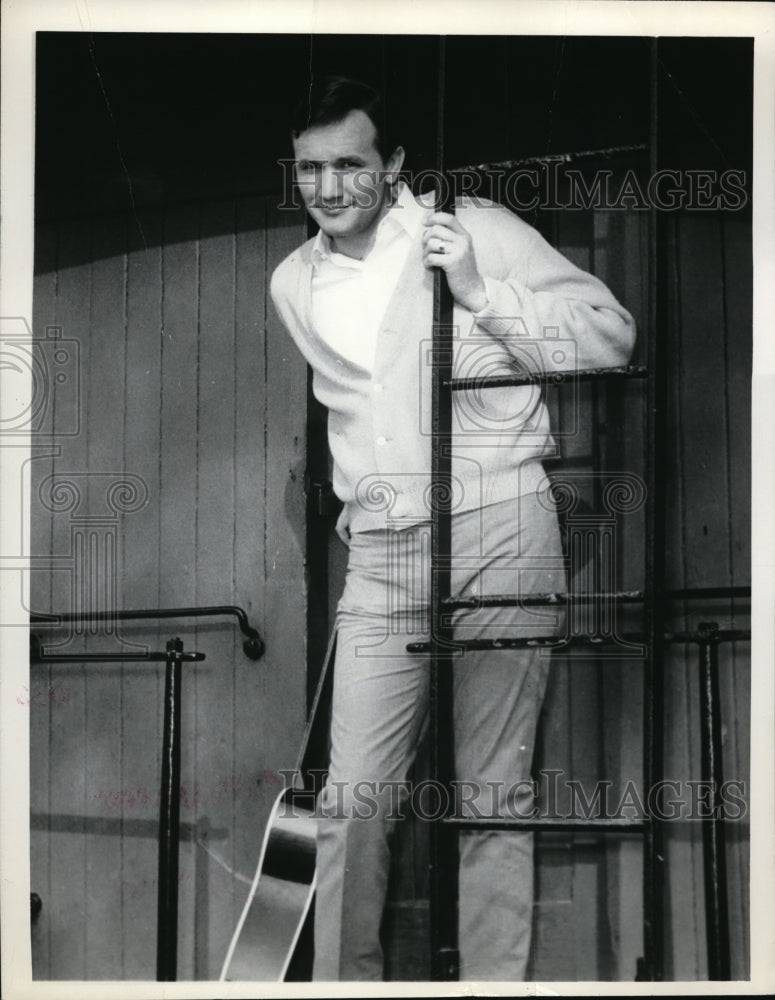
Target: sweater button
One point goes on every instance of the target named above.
(381, 440)
(378, 387)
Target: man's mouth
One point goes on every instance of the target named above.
(333, 209)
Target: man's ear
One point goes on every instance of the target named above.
(394, 164)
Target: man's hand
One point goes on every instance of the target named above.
(342, 526)
(448, 245)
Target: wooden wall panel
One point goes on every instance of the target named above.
(40, 697)
(588, 902)
(141, 571)
(68, 803)
(621, 261)
(708, 500)
(180, 442)
(736, 663)
(192, 385)
(560, 909)
(709, 525)
(247, 784)
(738, 309)
(103, 721)
(701, 388)
(283, 518)
(172, 328)
(214, 556)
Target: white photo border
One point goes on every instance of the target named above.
(21, 19)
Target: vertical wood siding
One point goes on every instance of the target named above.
(707, 474)
(588, 905)
(708, 545)
(189, 385)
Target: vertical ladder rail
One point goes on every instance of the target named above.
(443, 846)
(652, 966)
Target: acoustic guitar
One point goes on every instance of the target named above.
(273, 938)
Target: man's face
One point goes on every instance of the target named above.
(341, 176)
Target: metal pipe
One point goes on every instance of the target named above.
(169, 821)
(587, 154)
(539, 600)
(704, 593)
(604, 824)
(443, 848)
(546, 377)
(722, 635)
(622, 596)
(713, 832)
(652, 965)
(253, 646)
(151, 657)
(582, 641)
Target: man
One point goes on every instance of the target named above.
(357, 300)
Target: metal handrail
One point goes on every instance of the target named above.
(253, 646)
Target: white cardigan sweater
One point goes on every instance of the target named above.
(544, 314)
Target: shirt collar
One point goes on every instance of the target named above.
(405, 213)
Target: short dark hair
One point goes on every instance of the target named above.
(329, 99)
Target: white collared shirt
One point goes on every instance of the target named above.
(349, 296)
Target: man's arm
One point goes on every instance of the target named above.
(517, 286)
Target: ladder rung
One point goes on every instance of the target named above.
(563, 642)
(542, 378)
(606, 153)
(717, 635)
(707, 593)
(536, 600)
(622, 597)
(604, 824)
(517, 642)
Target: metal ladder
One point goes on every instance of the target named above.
(654, 635)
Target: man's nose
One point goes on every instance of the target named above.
(329, 184)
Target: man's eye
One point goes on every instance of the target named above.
(303, 167)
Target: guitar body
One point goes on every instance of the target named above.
(271, 922)
(272, 941)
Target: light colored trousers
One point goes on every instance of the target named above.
(380, 703)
